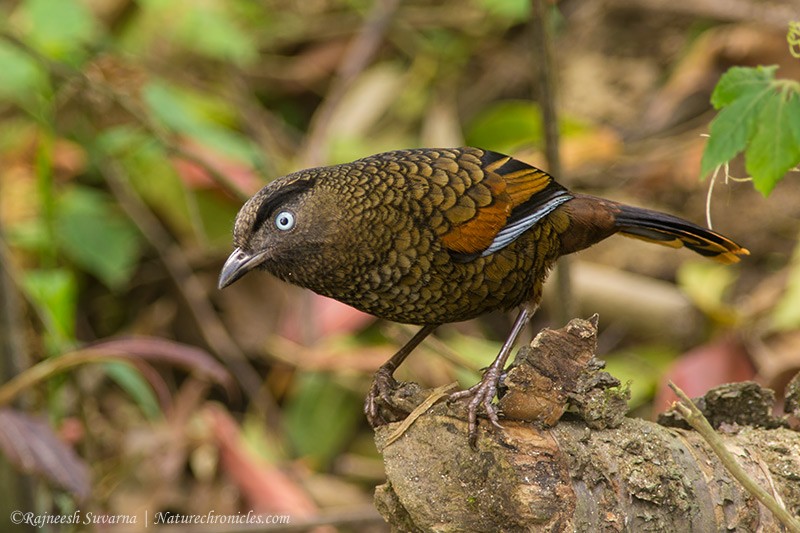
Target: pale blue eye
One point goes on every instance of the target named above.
(284, 220)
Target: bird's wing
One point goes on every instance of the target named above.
(513, 196)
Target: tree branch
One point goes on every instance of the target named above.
(569, 460)
(692, 415)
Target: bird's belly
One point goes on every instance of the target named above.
(445, 291)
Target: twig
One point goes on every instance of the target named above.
(775, 13)
(692, 415)
(727, 167)
(358, 55)
(190, 288)
(14, 486)
(57, 69)
(12, 346)
(437, 394)
(543, 58)
(402, 333)
(13, 388)
(277, 138)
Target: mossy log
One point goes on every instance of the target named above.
(575, 463)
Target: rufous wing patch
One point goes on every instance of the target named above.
(476, 234)
(512, 184)
(521, 195)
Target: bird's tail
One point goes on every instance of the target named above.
(661, 228)
(593, 219)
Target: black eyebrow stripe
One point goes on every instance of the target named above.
(279, 197)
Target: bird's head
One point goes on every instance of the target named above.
(278, 227)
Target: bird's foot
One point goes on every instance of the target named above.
(481, 394)
(383, 384)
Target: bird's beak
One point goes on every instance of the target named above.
(238, 264)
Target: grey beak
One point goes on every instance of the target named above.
(238, 264)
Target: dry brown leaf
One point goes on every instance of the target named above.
(196, 177)
(32, 446)
(777, 359)
(702, 368)
(319, 317)
(163, 351)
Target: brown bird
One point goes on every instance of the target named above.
(431, 236)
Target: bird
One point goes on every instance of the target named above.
(431, 236)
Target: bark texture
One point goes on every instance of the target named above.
(575, 463)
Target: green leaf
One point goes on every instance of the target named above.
(643, 367)
(229, 143)
(216, 214)
(30, 235)
(786, 313)
(320, 416)
(506, 126)
(220, 37)
(775, 147)
(217, 29)
(55, 294)
(707, 284)
(23, 77)
(731, 129)
(119, 141)
(93, 234)
(134, 384)
(793, 110)
(738, 82)
(169, 106)
(151, 174)
(58, 28)
(514, 10)
(187, 113)
(477, 352)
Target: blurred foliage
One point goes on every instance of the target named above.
(114, 112)
(134, 129)
(708, 285)
(786, 313)
(641, 369)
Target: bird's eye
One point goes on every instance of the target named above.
(284, 220)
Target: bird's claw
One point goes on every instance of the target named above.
(481, 394)
(383, 384)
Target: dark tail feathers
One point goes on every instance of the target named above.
(661, 228)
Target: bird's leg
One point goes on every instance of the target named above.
(483, 392)
(383, 382)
